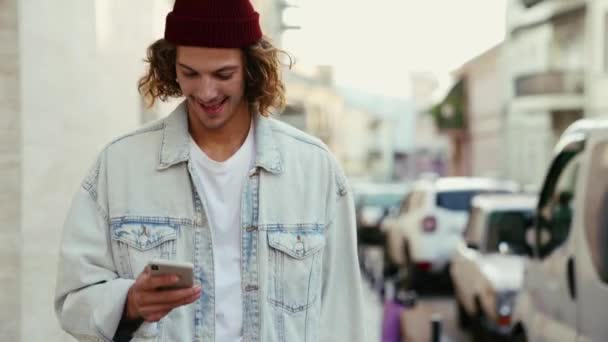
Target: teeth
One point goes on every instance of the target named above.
(213, 106)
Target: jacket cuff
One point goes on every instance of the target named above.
(108, 313)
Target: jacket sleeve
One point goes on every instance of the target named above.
(89, 295)
(342, 297)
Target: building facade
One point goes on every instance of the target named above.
(485, 107)
(549, 78)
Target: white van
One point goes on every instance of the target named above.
(565, 288)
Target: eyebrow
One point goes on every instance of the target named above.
(222, 69)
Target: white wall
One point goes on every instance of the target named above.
(10, 175)
(79, 62)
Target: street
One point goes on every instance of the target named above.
(415, 321)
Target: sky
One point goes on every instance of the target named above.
(373, 45)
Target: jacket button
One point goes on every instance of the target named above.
(299, 248)
(250, 229)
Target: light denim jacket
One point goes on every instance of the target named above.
(300, 279)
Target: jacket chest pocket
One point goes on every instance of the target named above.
(136, 243)
(295, 264)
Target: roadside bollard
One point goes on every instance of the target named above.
(436, 328)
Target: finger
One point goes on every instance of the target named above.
(154, 282)
(151, 310)
(156, 316)
(169, 296)
(142, 278)
(144, 274)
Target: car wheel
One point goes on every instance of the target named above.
(478, 330)
(446, 280)
(464, 321)
(519, 335)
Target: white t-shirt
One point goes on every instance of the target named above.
(223, 184)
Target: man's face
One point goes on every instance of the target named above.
(212, 80)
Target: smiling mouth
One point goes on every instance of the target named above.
(213, 108)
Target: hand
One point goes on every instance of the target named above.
(145, 300)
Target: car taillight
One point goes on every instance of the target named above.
(429, 224)
(504, 321)
(424, 266)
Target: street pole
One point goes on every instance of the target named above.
(436, 328)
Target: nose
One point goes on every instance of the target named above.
(208, 90)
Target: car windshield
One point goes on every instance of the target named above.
(507, 231)
(455, 200)
(460, 200)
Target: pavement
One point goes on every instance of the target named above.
(415, 321)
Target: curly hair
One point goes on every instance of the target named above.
(264, 87)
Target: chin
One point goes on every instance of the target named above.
(212, 124)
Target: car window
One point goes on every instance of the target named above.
(507, 232)
(596, 209)
(455, 200)
(556, 204)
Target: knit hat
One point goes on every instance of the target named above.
(213, 23)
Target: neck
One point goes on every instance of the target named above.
(221, 143)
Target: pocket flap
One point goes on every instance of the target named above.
(297, 243)
(143, 236)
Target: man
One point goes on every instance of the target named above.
(260, 209)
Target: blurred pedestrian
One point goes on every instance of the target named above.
(260, 209)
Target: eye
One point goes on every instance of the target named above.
(225, 76)
(190, 74)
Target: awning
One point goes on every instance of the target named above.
(449, 114)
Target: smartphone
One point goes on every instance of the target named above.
(183, 270)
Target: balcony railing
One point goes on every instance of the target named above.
(551, 82)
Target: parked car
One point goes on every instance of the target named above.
(373, 203)
(424, 237)
(564, 296)
(487, 269)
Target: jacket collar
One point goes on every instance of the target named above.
(175, 145)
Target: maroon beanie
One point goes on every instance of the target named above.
(213, 23)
